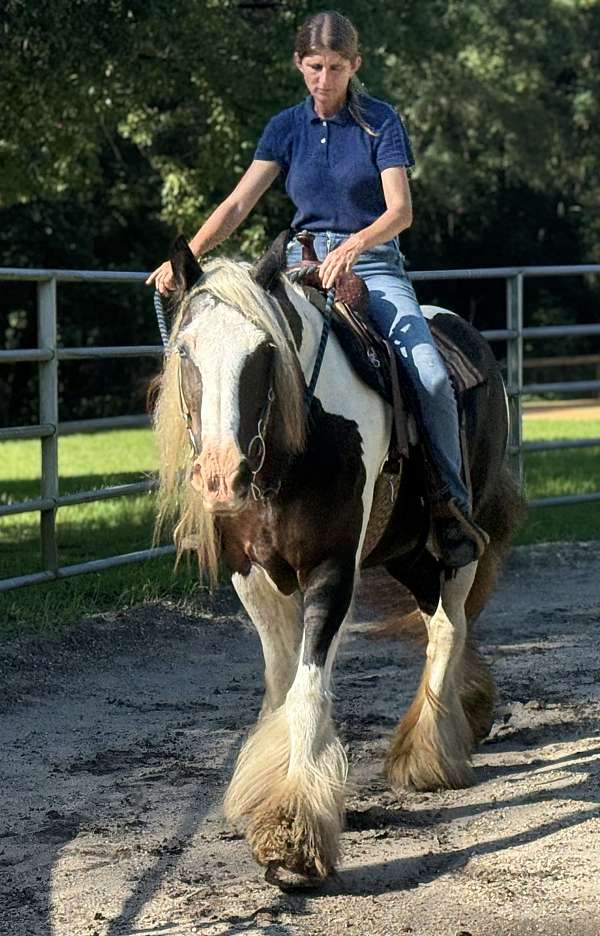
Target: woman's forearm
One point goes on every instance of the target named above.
(236, 207)
(385, 227)
(218, 226)
(225, 218)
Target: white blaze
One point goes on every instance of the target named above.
(220, 359)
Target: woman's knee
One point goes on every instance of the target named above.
(431, 369)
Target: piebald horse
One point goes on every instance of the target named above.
(283, 498)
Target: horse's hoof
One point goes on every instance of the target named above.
(288, 880)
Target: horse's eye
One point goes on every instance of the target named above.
(182, 351)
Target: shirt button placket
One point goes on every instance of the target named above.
(324, 137)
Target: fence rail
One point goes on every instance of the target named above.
(48, 356)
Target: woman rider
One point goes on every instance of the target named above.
(344, 158)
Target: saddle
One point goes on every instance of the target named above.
(372, 357)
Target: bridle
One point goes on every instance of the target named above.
(259, 493)
(258, 440)
(185, 410)
(257, 447)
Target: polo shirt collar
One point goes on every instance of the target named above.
(342, 117)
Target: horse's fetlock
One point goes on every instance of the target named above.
(431, 751)
(414, 769)
(290, 834)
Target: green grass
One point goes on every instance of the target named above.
(556, 473)
(124, 524)
(84, 532)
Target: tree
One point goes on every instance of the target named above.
(122, 123)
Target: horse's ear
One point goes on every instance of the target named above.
(273, 261)
(186, 269)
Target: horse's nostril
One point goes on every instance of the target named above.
(242, 479)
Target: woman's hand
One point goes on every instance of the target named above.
(163, 278)
(340, 260)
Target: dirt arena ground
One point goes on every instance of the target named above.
(118, 738)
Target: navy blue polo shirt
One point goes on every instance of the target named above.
(332, 167)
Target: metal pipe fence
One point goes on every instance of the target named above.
(48, 356)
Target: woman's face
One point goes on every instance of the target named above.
(326, 75)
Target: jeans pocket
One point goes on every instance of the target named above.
(386, 254)
(387, 249)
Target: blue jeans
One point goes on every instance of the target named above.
(397, 315)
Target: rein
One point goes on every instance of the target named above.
(161, 318)
(299, 275)
(164, 334)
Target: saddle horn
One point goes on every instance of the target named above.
(186, 269)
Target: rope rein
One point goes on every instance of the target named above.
(161, 318)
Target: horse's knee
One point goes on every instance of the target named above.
(328, 591)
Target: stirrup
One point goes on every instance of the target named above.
(460, 540)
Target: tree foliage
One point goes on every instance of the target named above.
(122, 123)
(162, 103)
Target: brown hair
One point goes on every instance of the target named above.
(334, 32)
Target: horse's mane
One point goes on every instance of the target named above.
(232, 283)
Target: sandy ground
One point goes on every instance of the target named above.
(117, 740)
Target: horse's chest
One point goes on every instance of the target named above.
(255, 540)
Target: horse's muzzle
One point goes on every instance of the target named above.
(222, 480)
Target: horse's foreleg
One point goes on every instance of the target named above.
(431, 747)
(294, 826)
(263, 761)
(278, 621)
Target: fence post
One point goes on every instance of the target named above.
(48, 405)
(514, 370)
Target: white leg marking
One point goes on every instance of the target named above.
(289, 781)
(278, 620)
(308, 710)
(432, 745)
(447, 630)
